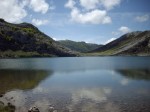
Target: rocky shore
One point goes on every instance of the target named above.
(10, 107)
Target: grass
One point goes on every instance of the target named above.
(18, 54)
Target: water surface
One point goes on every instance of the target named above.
(86, 84)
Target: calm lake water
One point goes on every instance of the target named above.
(81, 84)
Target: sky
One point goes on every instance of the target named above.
(92, 21)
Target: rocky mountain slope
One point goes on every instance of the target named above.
(134, 43)
(79, 46)
(25, 40)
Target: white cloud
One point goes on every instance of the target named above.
(110, 40)
(39, 6)
(120, 31)
(90, 12)
(70, 4)
(142, 18)
(124, 29)
(38, 22)
(93, 17)
(89, 4)
(12, 10)
(115, 33)
(92, 4)
(110, 4)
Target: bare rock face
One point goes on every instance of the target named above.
(134, 43)
(149, 44)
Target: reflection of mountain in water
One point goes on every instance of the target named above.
(136, 74)
(21, 79)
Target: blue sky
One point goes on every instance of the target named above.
(96, 21)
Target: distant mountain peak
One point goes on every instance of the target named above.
(79, 46)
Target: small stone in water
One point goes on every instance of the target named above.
(1, 95)
(51, 109)
(33, 109)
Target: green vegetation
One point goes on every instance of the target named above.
(29, 30)
(78, 46)
(25, 40)
(9, 38)
(17, 54)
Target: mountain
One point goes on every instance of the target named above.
(25, 40)
(79, 46)
(134, 43)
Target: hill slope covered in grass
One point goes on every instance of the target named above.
(79, 46)
(25, 40)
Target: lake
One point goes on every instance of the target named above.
(78, 84)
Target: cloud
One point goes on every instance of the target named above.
(16, 10)
(142, 18)
(39, 6)
(92, 14)
(70, 4)
(124, 29)
(12, 10)
(89, 4)
(92, 4)
(110, 40)
(120, 31)
(110, 4)
(38, 22)
(93, 17)
(115, 33)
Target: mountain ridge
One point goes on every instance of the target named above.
(78, 46)
(26, 40)
(134, 43)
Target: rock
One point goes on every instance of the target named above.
(1, 103)
(1, 95)
(33, 109)
(51, 108)
(149, 44)
(11, 98)
(11, 107)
